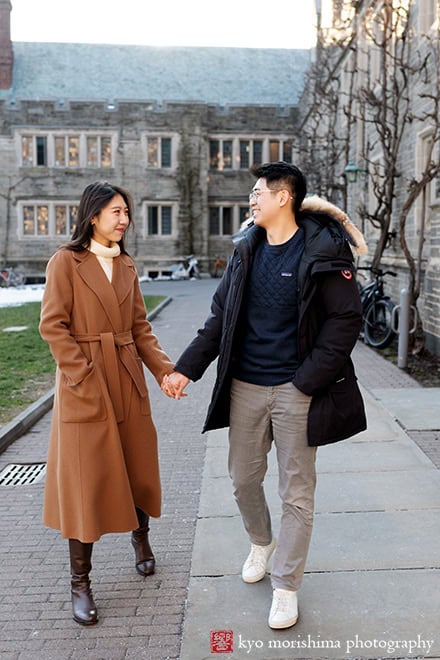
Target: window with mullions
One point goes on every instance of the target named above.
(71, 151)
(243, 153)
(220, 154)
(159, 220)
(159, 151)
(65, 219)
(251, 153)
(220, 220)
(99, 151)
(280, 150)
(34, 151)
(36, 220)
(50, 220)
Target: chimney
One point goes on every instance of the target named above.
(6, 53)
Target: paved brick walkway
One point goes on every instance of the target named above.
(140, 618)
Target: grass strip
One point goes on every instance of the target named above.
(26, 365)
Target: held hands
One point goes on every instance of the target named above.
(174, 384)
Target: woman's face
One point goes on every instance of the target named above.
(111, 222)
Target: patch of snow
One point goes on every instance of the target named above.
(18, 295)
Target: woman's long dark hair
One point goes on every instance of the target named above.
(94, 198)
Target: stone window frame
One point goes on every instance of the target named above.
(51, 206)
(146, 204)
(52, 135)
(267, 150)
(235, 217)
(159, 135)
(433, 196)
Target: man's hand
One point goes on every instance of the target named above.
(174, 384)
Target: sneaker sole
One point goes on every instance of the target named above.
(257, 578)
(279, 626)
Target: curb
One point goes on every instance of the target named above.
(30, 416)
(25, 420)
(154, 312)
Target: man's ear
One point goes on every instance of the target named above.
(285, 198)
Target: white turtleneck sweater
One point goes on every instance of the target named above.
(105, 256)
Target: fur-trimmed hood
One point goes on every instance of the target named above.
(315, 204)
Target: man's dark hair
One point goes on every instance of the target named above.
(288, 175)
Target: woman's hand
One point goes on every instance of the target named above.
(174, 384)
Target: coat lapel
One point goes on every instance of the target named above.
(124, 276)
(90, 271)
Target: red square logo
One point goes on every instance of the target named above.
(222, 641)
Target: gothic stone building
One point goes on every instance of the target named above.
(372, 110)
(178, 127)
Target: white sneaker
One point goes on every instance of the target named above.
(255, 566)
(284, 610)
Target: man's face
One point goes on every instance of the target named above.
(264, 203)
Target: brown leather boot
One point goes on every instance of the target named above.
(83, 606)
(145, 561)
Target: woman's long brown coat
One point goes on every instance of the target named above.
(102, 460)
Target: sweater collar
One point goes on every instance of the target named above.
(103, 251)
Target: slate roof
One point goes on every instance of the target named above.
(111, 72)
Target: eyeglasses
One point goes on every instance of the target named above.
(254, 195)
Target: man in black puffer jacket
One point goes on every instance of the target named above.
(283, 322)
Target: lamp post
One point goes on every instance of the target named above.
(351, 172)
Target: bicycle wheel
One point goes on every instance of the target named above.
(377, 324)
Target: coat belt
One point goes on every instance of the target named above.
(110, 343)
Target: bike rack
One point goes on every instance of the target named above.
(400, 325)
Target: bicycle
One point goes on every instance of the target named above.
(377, 309)
(8, 277)
(219, 267)
(187, 269)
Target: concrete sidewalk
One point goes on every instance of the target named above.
(372, 579)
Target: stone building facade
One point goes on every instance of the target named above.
(178, 127)
(371, 113)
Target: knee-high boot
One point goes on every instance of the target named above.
(83, 606)
(145, 561)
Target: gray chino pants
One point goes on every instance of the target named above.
(260, 415)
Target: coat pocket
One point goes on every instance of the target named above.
(83, 402)
(337, 413)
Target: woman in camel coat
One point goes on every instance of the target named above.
(102, 468)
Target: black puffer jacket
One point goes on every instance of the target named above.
(329, 323)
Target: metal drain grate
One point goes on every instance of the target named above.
(22, 474)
